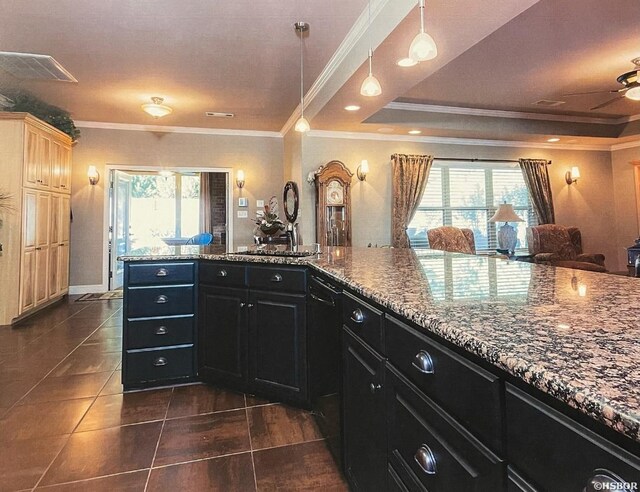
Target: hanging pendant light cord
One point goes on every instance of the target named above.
(370, 43)
(421, 15)
(301, 77)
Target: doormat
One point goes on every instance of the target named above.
(101, 296)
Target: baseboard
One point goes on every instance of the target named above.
(85, 289)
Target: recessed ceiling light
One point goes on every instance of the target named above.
(385, 129)
(415, 132)
(406, 62)
(554, 139)
(352, 107)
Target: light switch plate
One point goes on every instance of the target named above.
(242, 249)
(243, 214)
(260, 203)
(243, 202)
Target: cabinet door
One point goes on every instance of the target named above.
(277, 345)
(222, 335)
(364, 423)
(65, 169)
(63, 254)
(54, 274)
(43, 222)
(31, 157)
(56, 165)
(44, 161)
(28, 257)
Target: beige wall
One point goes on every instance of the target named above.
(261, 159)
(624, 193)
(586, 204)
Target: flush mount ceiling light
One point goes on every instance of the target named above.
(423, 47)
(414, 132)
(302, 125)
(352, 107)
(370, 86)
(553, 139)
(156, 108)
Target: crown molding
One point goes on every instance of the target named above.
(497, 113)
(176, 129)
(626, 145)
(453, 141)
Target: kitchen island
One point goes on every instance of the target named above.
(568, 339)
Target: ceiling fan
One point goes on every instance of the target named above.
(630, 87)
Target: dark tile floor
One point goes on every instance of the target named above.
(65, 424)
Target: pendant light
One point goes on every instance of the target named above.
(370, 86)
(423, 47)
(156, 108)
(302, 125)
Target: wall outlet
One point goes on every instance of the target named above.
(242, 249)
(243, 202)
(260, 203)
(243, 214)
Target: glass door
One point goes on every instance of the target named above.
(120, 241)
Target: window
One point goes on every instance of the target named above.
(466, 196)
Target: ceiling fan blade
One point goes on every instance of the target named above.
(606, 103)
(613, 91)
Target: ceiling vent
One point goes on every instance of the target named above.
(35, 67)
(548, 103)
(215, 114)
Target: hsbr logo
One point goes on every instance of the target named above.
(615, 486)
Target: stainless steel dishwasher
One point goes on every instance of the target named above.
(325, 323)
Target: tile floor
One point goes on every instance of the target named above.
(65, 424)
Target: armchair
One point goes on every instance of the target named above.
(452, 239)
(556, 245)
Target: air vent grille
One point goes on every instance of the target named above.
(548, 103)
(31, 66)
(215, 114)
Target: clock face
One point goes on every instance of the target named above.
(335, 193)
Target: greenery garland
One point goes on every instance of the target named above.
(24, 102)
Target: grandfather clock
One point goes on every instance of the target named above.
(333, 205)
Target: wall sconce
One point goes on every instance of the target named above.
(93, 175)
(572, 176)
(240, 178)
(363, 170)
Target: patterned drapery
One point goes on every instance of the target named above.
(410, 174)
(536, 177)
(206, 218)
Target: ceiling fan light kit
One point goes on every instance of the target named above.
(423, 47)
(302, 125)
(156, 108)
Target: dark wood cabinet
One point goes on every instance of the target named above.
(223, 330)
(277, 344)
(364, 423)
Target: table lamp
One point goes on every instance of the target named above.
(507, 236)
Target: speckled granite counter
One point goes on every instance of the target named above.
(572, 334)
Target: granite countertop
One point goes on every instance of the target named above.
(572, 334)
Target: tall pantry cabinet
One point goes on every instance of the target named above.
(35, 170)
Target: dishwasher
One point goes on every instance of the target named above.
(324, 337)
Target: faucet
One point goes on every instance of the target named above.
(292, 236)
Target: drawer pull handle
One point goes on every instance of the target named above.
(161, 330)
(426, 460)
(222, 273)
(276, 278)
(373, 387)
(162, 272)
(243, 304)
(423, 362)
(323, 301)
(249, 305)
(357, 316)
(162, 299)
(160, 361)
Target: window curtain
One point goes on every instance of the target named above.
(206, 218)
(536, 177)
(410, 174)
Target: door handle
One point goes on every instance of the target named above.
(374, 388)
(160, 361)
(161, 330)
(276, 278)
(357, 316)
(426, 460)
(162, 299)
(323, 301)
(162, 272)
(423, 362)
(221, 273)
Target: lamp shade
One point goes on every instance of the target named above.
(505, 213)
(370, 87)
(423, 48)
(633, 93)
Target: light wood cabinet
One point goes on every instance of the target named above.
(35, 166)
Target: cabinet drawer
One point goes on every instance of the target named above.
(222, 274)
(161, 273)
(158, 364)
(278, 279)
(364, 320)
(159, 332)
(159, 301)
(471, 394)
(427, 447)
(557, 453)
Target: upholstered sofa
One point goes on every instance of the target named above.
(453, 239)
(557, 245)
